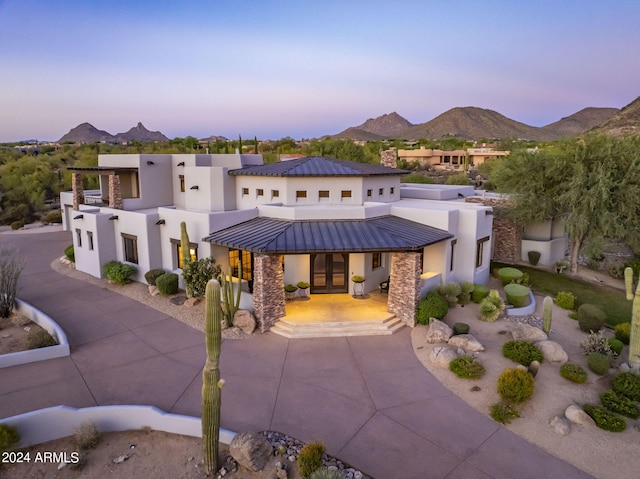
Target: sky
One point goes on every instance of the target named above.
(305, 69)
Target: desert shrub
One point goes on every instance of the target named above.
(479, 293)
(11, 266)
(635, 266)
(573, 315)
(458, 179)
(534, 257)
(9, 438)
(153, 274)
(196, 275)
(597, 343)
(619, 404)
(54, 216)
(310, 458)
(627, 384)
(509, 275)
(605, 419)
(118, 272)
(466, 288)
(325, 473)
(574, 373)
(491, 307)
(16, 225)
(68, 252)
(86, 436)
(623, 332)
(515, 385)
(431, 306)
(450, 292)
(39, 338)
(167, 284)
(503, 413)
(522, 352)
(517, 294)
(598, 363)
(565, 300)
(591, 318)
(467, 367)
(460, 328)
(616, 345)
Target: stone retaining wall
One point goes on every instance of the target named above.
(404, 287)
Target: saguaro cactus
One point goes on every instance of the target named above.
(547, 310)
(230, 303)
(211, 382)
(184, 244)
(634, 337)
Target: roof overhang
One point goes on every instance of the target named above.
(277, 236)
(101, 170)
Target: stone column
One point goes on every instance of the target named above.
(115, 193)
(404, 287)
(268, 290)
(78, 190)
(389, 158)
(507, 235)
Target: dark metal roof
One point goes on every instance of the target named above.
(317, 166)
(385, 233)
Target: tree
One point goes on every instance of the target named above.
(11, 266)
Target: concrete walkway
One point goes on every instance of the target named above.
(367, 398)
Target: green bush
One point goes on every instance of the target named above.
(466, 288)
(619, 404)
(54, 216)
(153, 274)
(460, 328)
(431, 306)
(325, 473)
(290, 288)
(623, 332)
(479, 293)
(574, 373)
(605, 419)
(565, 300)
(534, 257)
(467, 367)
(450, 292)
(9, 438)
(521, 352)
(509, 275)
(616, 345)
(598, 363)
(39, 338)
(591, 318)
(303, 285)
(118, 272)
(573, 315)
(167, 284)
(491, 307)
(310, 458)
(16, 225)
(503, 413)
(515, 385)
(196, 275)
(68, 252)
(627, 384)
(517, 295)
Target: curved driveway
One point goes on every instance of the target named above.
(367, 398)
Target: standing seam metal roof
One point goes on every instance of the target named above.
(385, 233)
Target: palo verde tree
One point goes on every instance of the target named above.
(11, 266)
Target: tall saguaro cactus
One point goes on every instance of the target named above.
(634, 337)
(184, 244)
(211, 382)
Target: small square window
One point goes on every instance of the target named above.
(346, 194)
(301, 194)
(381, 191)
(369, 193)
(245, 191)
(323, 193)
(259, 192)
(275, 193)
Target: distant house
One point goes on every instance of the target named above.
(450, 160)
(478, 156)
(312, 219)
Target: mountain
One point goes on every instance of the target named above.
(385, 126)
(625, 122)
(140, 133)
(579, 122)
(86, 133)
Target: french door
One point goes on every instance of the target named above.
(329, 273)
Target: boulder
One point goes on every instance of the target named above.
(438, 331)
(232, 333)
(526, 332)
(153, 290)
(441, 356)
(250, 450)
(552, 351)
(191, 302)
(561, 425)
(576, 415)
(244, 320)
(467, 342)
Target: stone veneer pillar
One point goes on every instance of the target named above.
(507, 235)
(404, 286)
(78, 190)
(115, 193)
(268, 290)
(389, 158)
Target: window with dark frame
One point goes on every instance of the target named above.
(381, 191)
(345, 194)
(323, 193)
(376, 260)
(392, 190)
(480, 250)
(177, 251)
(90, 240)
(301, 193)
(130, 243)
(453, 249)
(369, 193)
(245, 191)
(259, 192)
(275, 193)
(79, 237)
(181, 177)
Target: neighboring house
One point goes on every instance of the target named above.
(478, 156)
(312, 219)
(450, 160)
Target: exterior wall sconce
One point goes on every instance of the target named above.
(160, 222)
(460, 195)
(149, 162)
(194, 187)
(488, 212)
(78, 217)
(114, 217)
(181, 163)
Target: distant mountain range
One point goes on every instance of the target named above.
(625, 122)
(87, 133)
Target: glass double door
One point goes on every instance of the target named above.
(329, 273)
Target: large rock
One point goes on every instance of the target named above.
(526, 332)
(467, 342)
(251, 450)
(561, 425)
(441, 356)
(438, 331)
(577, 416)
(552, 352)
(244, 320)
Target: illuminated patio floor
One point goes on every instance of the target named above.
(321, 308)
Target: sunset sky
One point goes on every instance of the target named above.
(306, 68)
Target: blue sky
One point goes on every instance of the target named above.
(306, 68)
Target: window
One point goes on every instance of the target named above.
(381, 191)
(301, 194)
(453, 249)
(323, 193)
(376, 260)
(177, 249)
(346, 194)
(369, 193)
(90, 240)
(79, 237)
(259, 192)
(392, 190)
(245, 191)
(275, 193)
(480, 250)
(130, 248)
(181, 177)
(241, 264)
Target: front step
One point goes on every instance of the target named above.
(333, 329)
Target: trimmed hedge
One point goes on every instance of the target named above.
(431, 306)
(509, 275)
(598, 363)
(619, 404)
(616, 345)
(517, 295)
(68, 252)
(167, 284)
(479, 293)
(460, 328)
(591, 318)
(153, 274)
(565, 300)
(627, 384)
(118, 272)
(623, 332)
(573, 373)
(605, 419)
